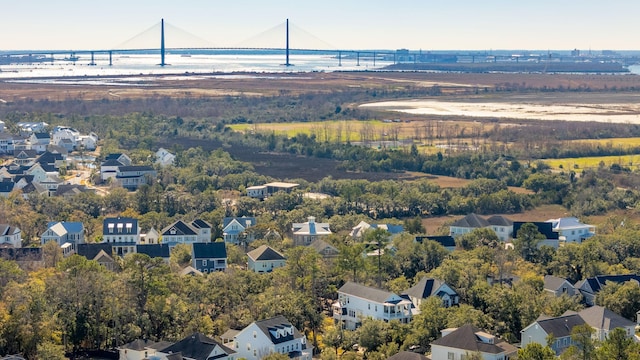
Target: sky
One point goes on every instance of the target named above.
(334, 24)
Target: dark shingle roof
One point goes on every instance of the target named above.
(499, 220)
(111, 162)
(553, 282)
(154, 250)
(135, 168)
(444, 240)
(599, 281)
(138, 345)
(196, 346)
(471, 221)
(561, 326)
(199, 224)
(407, 355)
(544, 228)
(90, 251)
(124, 230)
(265, 253)
(424, 288)
(275, 323)
(180, 228)
(215, 250)
(465, 338)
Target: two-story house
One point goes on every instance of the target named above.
(589, 287)
(558, 286)
(209, 257)
(196, 347)
(164, 157)
(10, 236)
(307, 232)
(502, 226)
(571, 230)
(460, 343)
(132, 177)
(275, 335)
(234, 227)
(63, 232)
(356, 302)
(428, 287)
(122, 233)
(265, 259)
(179, 233)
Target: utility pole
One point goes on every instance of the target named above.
(162, 63)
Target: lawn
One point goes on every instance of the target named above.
(593, 162)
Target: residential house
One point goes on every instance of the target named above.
(359, 230)
(10, 236)
(141, 349)
(164, 157)
(119, 157)
(6, 143)
(150, 237)
(502, 226)
(266, 190)
(265, 259)
(71, 190)
(209, 257)
(65, 137)
(307, 232)
(101, 253)
(132, 177)
(109, 169)
(197, 347)
(39, 141)
(105, 259)
(63, 232)
(551, 238)
(447, 241)
(407, 355)
(190, 270)
(325, 249)
(571, 230)
(88, 142)
(589, 287)
(122, 233)
(234, 227)
(599, 318)
(558, 286)
(6, 187)
(29, 127)
(181, 232)
(155, 251)
(25, 157)
(428, 287)
(51, 160)
(356, 302)
(275, 335)
(460, 343)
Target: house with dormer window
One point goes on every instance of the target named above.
(275, 335)
(356, 302)
(234, 227)
(122, 233)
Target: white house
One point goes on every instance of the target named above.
(150, 237)
(427, 287)
(179, 233)
(164, 157)
(122, 233)
(6, 143)
(38, 141)
(132, 177)
(233, 227)
(571, 230)
(459, 343)
(266, 190)
(275, 335)
(265, 259)
(10, 236)
(502, 226)
(28, 127)
(258, 191)
(308, 232)
(356, 302)
(359, 230)
(141, 349)
(63, 232)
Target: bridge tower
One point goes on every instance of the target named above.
(287, 63)
(162, 63)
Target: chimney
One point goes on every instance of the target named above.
(312, 219)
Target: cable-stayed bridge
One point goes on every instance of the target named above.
(163, 38)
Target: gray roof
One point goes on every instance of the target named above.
(365, 292)
(561, 326)
(320, 245)
(465, 338)
(407, 355)
(602, 318)
(265, 253)
(471, 221)
(181, 228)
(424, 288)
(499, 220)
(553, 282)
(196, 346)
(216, 250)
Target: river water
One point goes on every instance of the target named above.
(182, 64)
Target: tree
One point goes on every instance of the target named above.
(378, 237)
(582, 337)
(527, 240)
(623, 299)
(535, 351)
(616, 346)
(373, 333)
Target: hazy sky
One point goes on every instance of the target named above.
(346, 24)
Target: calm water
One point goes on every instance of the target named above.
(179, 64)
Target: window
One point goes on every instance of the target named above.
(450, 356)
(204, 262)
(254, 353)
(254, 334)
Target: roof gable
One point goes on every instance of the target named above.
(265, 253)
(470, 338)
(471, 221)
